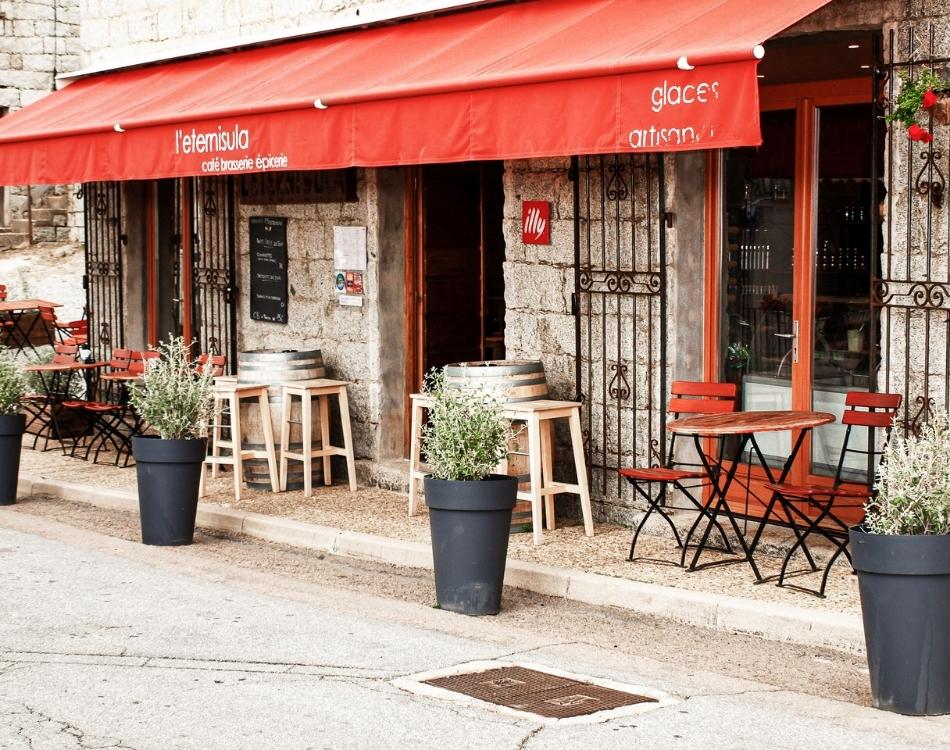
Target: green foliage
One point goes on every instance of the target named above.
(912, 93)
(914, 483)
(175, 400)
(12, 385)
(467, 434)
(738, 354)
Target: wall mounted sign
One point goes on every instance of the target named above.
(293, 186)
(349, 248)
(268, 268)
(536, 222)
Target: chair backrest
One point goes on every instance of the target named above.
(47, 313)
(693, 397)
(139, 361)
(120, 360)
(3, 292)
(215, 362)
(875, 411)
(63, 354)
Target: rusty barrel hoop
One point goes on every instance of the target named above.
(516, 380)
(272, 368)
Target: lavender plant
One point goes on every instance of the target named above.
(175, 400)
(12, 385)
(913, 483)
(467, 434)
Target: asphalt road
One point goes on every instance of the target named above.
(237, 643)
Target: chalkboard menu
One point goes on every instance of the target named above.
(269, 269)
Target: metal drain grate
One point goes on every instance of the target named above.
(538, 692)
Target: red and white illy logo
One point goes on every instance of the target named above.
(535, 224)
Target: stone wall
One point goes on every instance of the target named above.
(40, 39)
(114, 30)
(349, 337)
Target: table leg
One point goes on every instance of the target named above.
(721, 506)
(778, 498)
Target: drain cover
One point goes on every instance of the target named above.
(531, 691)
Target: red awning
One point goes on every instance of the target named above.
(532, 79)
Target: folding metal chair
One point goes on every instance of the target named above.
(687, 398)
(872, 411)
(216, 362)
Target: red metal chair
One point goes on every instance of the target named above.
(872, 411)
(687, 398)
(101, 416)
(216, 362)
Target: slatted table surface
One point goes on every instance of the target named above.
(746, 422)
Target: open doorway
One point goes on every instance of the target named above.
(455, 289)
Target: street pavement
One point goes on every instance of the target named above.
(107, 643)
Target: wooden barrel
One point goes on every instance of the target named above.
(272, 368)
(515, 380)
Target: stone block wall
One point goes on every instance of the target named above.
(117, 29)
(349, 337)
(40, 39)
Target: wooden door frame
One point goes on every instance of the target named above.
(806, 99)
(414, 305)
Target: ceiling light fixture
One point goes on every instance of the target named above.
(865, 67)
(854, 46)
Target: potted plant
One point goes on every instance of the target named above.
(469, 506)
(176, 401)
(12, 425)
(902, 557)
(927, 92)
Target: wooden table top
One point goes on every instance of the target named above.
(745, 422)
(63, 366)
(14, 305)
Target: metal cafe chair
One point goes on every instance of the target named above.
(686, 398)
(216, 362)
(101, 416)
(863, 410)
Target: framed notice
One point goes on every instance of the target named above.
(268, 269)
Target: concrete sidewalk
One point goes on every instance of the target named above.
(770, 620)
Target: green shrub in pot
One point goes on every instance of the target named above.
(469, 507)
(176, 401)
(12, 426)
(901, 554)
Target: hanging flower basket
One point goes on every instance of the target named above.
(927, 93)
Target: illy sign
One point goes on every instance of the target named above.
(536, 222)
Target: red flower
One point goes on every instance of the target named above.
(917, 133)
(928, 100)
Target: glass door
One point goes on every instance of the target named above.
(758, 339)
(795, 309)
(842, 315)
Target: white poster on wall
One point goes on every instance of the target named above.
(349, 248)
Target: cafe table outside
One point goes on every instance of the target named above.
(23, 326)
(744, 425)
(55, 379)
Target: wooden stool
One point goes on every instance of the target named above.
(538, 417)
(229, 393)
(306, 390)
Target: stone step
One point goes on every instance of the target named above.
(12, 239)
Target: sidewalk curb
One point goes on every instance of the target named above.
(769, 620)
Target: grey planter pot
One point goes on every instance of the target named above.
(168, 473)
(470, 523)
(904, 582)
(11, 438)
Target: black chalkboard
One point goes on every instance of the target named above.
(269, 269)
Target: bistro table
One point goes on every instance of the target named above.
(19, 324)
(744, 425)
(55, 379)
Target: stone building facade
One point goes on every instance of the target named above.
(366, 344)
(40, 40)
